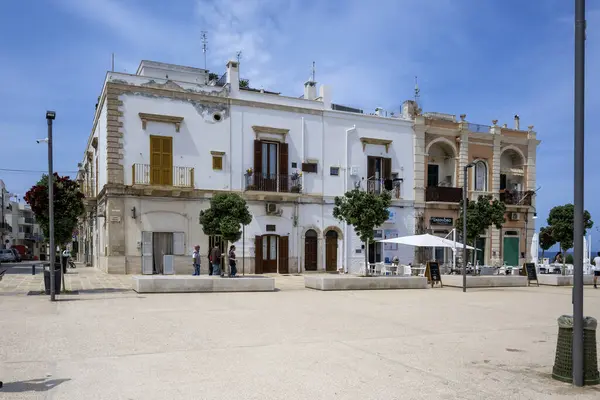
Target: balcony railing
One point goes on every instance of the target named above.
(180, 177)
(273, 183)
(513, 197)
(377, 186)
(443, 194)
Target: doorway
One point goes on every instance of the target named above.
(269, 166)
(331, 250)
(375, 252)
(510, 250)
(310, 250)
(480, 250)
(162, 245)
(433, 175)
(269, 254)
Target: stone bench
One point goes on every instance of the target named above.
(562, 280)
(486, 281)
(201, 284)
(350, 282)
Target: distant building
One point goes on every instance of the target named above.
(505, 167)
(165, 140)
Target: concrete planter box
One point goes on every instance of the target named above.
(562, 280)
(485, 281)
(349, 282)
(202, 284)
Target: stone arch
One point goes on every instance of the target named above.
(310, 227)
(516, 150)
(334, 228)
(487, 174)
(442, 140)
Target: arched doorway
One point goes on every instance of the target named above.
(310, 250)
(331, 250)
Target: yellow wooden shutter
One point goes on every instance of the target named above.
(155, 159)
(167, 161)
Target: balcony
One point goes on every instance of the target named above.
(273, 183)
(377, 186)
(443, 194)
(180, 176)
(25, 221)
(516, 198)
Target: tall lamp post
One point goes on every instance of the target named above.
(464, 230)
(50, 116)
(578, 356)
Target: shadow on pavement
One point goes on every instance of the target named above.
(33, 385)
(105, 290)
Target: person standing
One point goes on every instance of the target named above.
(232, 262)
(196, 260)
(596, 270)
(215, 259)
(210, 267)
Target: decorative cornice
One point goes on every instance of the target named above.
(169, 119)
(267, 129)
(217, 153)
(381, 142)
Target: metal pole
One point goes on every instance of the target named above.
(243, 250)
(464, 238)
(578, 378)
(51, 211)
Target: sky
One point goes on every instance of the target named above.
(483, 58)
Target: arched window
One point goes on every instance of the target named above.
(480, 177)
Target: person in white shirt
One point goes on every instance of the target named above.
(596, 270)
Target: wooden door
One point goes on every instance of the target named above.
(331, 250)
(310, 251)
(258, 256)
(284, 267)
(269, 254)
(510, 251)
(147, 264)
(161, 160)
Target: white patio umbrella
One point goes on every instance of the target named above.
(425, 240)
(535, 248)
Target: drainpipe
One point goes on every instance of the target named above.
(346, 176)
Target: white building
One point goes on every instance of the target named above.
(164, 141)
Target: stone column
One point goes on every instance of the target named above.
(114, 135)
(115, 240)
(495, 234)
(419, 161)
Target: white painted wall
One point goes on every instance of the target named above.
(101, 133)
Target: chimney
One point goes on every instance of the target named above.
(233, 76)
(516, 122)
(325, 95)
(409, 109)
(310, 90)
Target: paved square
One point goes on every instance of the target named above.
(292, 344)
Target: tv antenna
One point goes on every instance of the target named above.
(312, 77)
(417, 90)
(204, 45)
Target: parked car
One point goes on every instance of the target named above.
(18, 257)
(7, 255)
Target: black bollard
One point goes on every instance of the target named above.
(32, 269)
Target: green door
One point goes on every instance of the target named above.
(511, 251)
(480, 252)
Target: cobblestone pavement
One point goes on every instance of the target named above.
(18, 280)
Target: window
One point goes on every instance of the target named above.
(480, 176)
(217, 163)
(309, 167)
(433, 175)
(269, 159)
(271, 228)
(334, 171)
(161, 160)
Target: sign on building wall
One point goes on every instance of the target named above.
(392, 217)
(446, 221)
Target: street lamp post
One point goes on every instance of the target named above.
(50, 116)
(464, 238)
(578, 232)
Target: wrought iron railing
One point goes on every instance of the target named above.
(273, 182)
(513, 197)
(222, 80)
(443, 194)
(180, 177)
(377, 186)
(479, 128)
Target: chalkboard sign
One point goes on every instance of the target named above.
(432, 273)
(531, 273)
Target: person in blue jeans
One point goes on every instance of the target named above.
(196, 260)
(215, 260)
(232, 262)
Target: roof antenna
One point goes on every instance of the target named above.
(417, 90)
(204, 45)
(313, 72)
(112, 63)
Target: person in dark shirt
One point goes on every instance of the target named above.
(215, 259)
(232, 262)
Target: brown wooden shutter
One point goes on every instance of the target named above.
(283, 167)
(283, 255)
(387, 168)
(258, 256)
(257, 157)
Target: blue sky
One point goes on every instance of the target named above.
(487, 59)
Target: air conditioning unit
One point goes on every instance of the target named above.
(515, 216)
(271, 208)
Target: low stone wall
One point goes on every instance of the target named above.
(350, 282)
(485, 281)
(201, 284)
(562, 280)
